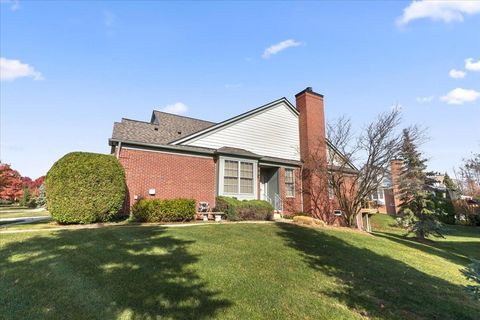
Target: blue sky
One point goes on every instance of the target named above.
(70, 69)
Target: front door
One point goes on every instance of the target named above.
(269, 187)
(263, 185)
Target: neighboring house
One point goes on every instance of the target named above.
(387, 197)
(383, 199)
(255, 155)
(437, 185)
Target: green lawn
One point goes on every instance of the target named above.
(235, 271)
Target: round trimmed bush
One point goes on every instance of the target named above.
(85, 187)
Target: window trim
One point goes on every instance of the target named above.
(221, 178)
(380, 193)
(240, 177)
(236, 177)
(288, 183)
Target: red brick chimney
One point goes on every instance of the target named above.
(395, 171)
(313, 150)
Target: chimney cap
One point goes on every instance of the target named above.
(308, 90)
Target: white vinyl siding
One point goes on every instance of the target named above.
(273, 132)
(237, 178)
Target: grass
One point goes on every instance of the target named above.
(235, 271)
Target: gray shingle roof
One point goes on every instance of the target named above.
(237, 152)
(163, 128)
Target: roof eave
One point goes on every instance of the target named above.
(166, 147)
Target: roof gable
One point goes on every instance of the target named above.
(270, 130)
(236, 119)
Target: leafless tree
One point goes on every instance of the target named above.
(352, 185)
(468, 176)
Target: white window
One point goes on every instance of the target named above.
(378, 195)
(289, 183)
(246, 177)
(238, 177)
(230, 177)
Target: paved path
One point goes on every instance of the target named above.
(23, 210)
(106, 225)
(33, 218)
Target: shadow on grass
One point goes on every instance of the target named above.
(376, 285)
(462, 231)
(459, 252)
(427, 247)
(104, 274)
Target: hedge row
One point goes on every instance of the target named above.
(85, 187)
(158, 210)
(236, 210)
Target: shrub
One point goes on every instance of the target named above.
(27, 199)
(444, 208)
(41, 198)
(308, 221)
(466, 214)
(158, 210)
(291, 216)
(85, 187)
(6, 202)
(236, 210)
(474, 218)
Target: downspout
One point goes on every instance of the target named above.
(301, 187)
(119, 148)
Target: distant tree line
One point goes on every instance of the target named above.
(20, 190)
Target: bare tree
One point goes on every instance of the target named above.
(352, 186)
(469, 176)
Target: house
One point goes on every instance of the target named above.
(383, 199)
(387, 198)
(258, 154)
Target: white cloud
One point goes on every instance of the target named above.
(276, 48)
(439, 10)
(176, 108)
(14, 69)
(472, 65)
(457, 74)
(14, 4)
(460, 96)
(425, 99)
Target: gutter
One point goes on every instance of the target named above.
(119, 149)
(162, 147)
(201, 151)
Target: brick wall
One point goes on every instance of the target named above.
(291, 205)
(171, 175)
(313, 150)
